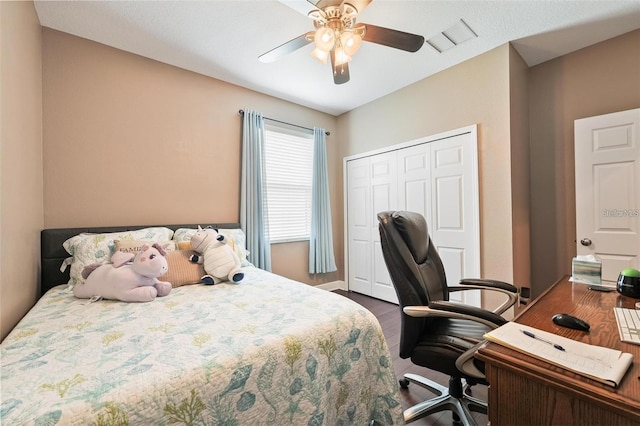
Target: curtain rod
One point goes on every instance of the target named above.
(241, 112)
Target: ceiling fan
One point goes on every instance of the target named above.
(338, 36)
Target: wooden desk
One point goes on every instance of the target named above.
(526, 391)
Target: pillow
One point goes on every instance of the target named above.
(134, 246)
(181, 270)
(235, 239)
(184, 245)
(86, 249)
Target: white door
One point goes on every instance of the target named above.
(454, 225)
(607, 163)
(371, 189)
(414, 176)
(359, 225)
(383, 198)
(414, 184)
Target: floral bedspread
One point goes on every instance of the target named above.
(266, 351)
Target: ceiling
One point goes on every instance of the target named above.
(223, 39)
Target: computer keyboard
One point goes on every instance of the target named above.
(628, 324)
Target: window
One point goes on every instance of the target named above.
(289, 167)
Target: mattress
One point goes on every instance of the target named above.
(266, 351)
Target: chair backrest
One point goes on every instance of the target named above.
(414, 266)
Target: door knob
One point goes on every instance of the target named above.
(585, 242)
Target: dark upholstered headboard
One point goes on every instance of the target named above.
(52, 254)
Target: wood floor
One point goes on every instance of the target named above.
(388, 315)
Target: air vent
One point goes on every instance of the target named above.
(452, 36)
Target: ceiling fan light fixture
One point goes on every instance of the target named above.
(351, 42)
(341, 56)
(324, 39)
(318, 16)
(320, 55)
(348, 11)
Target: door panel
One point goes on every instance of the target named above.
(455, 224)
(414, 189)
(384, 197)
(382, 287)
(449, 191)
(358, 224)
(614, 185)
(607, 163)
(612, 264)
(453, 262)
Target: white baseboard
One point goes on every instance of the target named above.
(333, 285)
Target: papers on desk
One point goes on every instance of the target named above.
(599, 363)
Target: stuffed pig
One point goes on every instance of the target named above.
(220, 261)
(130, 282)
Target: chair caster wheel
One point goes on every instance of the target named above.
(404, 383)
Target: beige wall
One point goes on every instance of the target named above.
(520, 193)
(128, 140)
(475, 91)
(596, 80)
(21, 206)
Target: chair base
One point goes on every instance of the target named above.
(454, 398)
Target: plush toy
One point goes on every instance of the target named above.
(130, 282)
(220, 261)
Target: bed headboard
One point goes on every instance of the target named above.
(52, 254)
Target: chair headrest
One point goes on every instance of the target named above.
(412, 227)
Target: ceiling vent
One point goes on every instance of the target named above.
(452, 36)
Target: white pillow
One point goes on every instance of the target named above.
(234, 234)
(98, 248)
(135, 246)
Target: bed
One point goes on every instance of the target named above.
(268, 350)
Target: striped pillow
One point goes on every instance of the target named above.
(181, 270)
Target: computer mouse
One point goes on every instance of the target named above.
(569, 321)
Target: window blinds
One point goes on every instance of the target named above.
(289, 165)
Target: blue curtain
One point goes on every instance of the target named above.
(253, 203)
(321, 259)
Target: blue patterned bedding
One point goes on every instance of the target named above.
(266, 351)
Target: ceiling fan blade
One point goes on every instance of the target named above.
(393, 38)
(321, 4)
(360, 5)
(286, 48)
(340, 72)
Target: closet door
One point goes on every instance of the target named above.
(384, 197)
(454, 224)
(436, 177)
(439, 181)
(414, 186)
(372, 188)
(358, 202)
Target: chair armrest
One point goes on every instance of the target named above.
(456, 310)
(489, 284)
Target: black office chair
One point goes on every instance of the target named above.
(437, 333)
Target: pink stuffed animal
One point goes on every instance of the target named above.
(129, 282)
